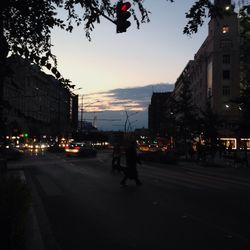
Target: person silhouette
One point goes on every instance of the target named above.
(130, 171)
(230, 148)
(116, 158)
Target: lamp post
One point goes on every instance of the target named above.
(82, 109)
(130, 124)
(127, 119)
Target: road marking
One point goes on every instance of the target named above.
(22, 177)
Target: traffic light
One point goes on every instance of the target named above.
(122, 14)
(24, 135)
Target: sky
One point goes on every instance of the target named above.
(156, 53)
(113, 106)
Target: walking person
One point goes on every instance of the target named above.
(130, 171)
(245, 154)
(230, 148)
(116, 158)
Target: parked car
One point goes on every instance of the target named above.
(80, 149)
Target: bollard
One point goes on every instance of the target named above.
(3, 166)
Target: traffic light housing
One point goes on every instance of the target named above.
(122, 14)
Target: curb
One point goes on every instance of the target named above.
(33, 234)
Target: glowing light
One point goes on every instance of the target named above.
(125, 6)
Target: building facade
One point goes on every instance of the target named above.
(214, 73)
(156, 111)
(36, 103)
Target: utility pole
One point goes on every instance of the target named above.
(127, 120)
(81, 127)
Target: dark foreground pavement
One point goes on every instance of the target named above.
(142, 215)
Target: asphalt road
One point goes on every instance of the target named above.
(80, 205)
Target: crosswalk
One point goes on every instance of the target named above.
(184, 176)
(194, 179)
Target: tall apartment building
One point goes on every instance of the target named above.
(156, 109)
(214, 72)
(36, 103)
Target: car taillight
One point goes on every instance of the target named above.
(67, 147)
(77, 148)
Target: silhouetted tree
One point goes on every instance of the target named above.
(186, 114)
(209, 124)
(25, 25)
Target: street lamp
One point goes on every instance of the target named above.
(127, 119)
(81, 109)
(130, 124)
(74, 90)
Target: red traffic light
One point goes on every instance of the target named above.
(122, 15)
(125, 6)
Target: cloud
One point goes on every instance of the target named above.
(122, 98)
(111, 105)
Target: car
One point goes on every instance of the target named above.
(38, 146)
(80, 149)
(143, 147)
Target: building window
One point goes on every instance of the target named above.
(226, 43)
(226, 59)
(226, 91)
(225, 29)
(226, 74)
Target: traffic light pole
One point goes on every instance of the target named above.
(125, 14)
(108, 18)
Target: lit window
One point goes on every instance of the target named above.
(225, 29)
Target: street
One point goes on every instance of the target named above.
(80, 205)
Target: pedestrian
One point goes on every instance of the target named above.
(116, 158)
(230, 148)
(191, 152)
(130, 171)
(245, 154)
(199, 151)
(222, 149)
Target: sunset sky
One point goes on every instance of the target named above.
(156, 53)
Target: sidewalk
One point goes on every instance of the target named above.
(33, 235)
(222, 166)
